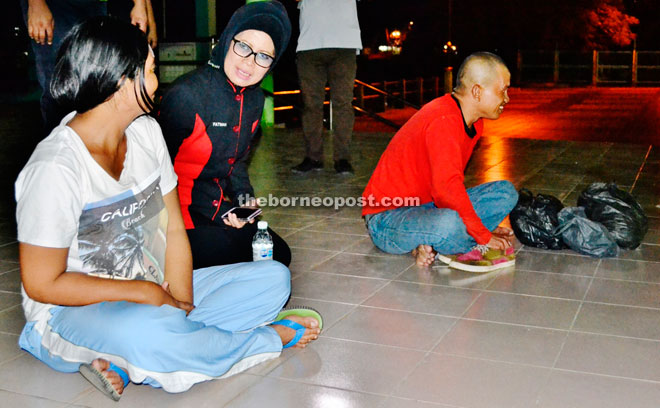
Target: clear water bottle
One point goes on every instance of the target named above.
(262, 243)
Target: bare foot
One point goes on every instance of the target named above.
(504, 231)
(287, 334)
(424, 255)
(112, 376)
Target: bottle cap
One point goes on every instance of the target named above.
(262, 224)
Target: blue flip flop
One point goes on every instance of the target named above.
(97, 379)
(302, 311)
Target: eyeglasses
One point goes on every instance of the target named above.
(243, 50)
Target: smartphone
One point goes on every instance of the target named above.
(243, 213)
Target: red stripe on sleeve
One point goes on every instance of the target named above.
(194, 153)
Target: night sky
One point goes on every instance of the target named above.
(500, 26)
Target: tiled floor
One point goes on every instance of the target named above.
(558, 330)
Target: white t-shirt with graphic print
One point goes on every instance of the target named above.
(114, 229)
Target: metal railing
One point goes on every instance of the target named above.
(635, 68)
(370, 99)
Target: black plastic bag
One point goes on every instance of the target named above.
(534, 220)
(584, 235)
(618, 211)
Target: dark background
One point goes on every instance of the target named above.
(500, 26)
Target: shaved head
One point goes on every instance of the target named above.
(479, 68)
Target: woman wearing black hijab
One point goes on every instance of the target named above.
(209, 118)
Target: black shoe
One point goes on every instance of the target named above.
(342, 166)
(307, 165)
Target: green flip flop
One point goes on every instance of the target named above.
(302, 311)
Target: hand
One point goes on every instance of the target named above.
(251, 204)
(40, 23)
(499, 242)
(172, 301)
(503, 231)
(233, 221)
(139, 15)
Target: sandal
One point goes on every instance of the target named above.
(302, 311)
(97, 379)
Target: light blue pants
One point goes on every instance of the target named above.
(401, 230)
(161, 346)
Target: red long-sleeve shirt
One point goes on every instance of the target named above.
(426, 160)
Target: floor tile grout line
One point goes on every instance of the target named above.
(8, 308)
(622, 305)
(607, 375)
(362, 304)
(352, 276)
(431, 403)
(323, 260)
(346, 251)
(558, 274)
(302, 381)
(10, 271)
(546, 380)
(80, 397)
(33, 396)
(526, 248)
(12, 359)
(493, 360)
(305, 229)
(588, 276)
(430, 350)
(505, 323)
(626, 280)
(485, 290)
(618, 336)
(575, 316)
(319, 249)
(368, 343)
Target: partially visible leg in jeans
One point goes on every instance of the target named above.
(313, 77)
(493, 201)
(341, 77)
(402, 230)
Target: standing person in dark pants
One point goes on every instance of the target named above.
(209, 118)
(48, 21)
(327, 47)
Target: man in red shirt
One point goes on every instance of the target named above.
(416, 201)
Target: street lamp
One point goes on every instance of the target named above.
(395, 37)
(450, 48)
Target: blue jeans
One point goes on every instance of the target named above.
(66, 13)
(401, 230)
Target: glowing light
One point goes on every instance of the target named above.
(449, 46)
(334, 401)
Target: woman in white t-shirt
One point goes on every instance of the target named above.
(100, 228)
